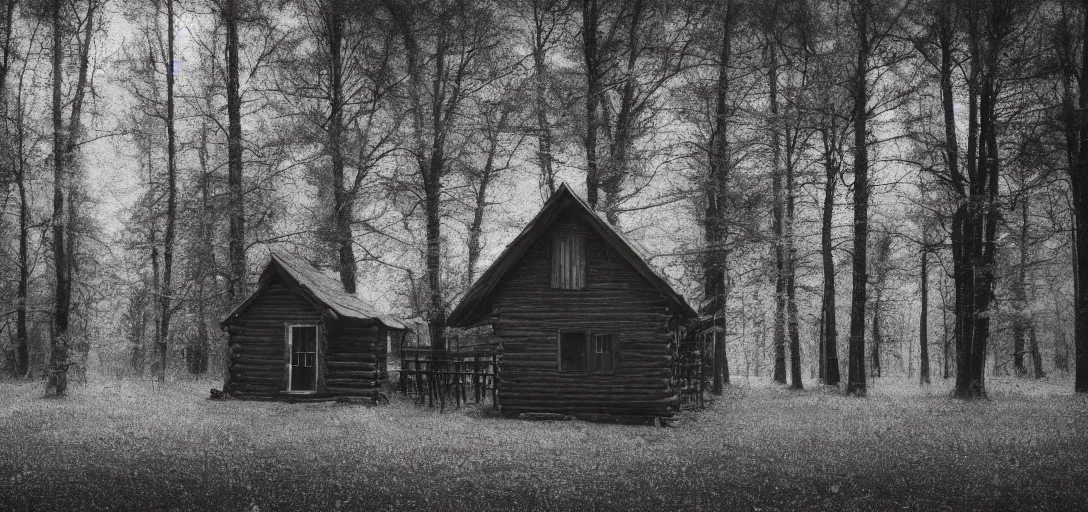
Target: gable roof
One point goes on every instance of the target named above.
(321, 290)
(468, 310)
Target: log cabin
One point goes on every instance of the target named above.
(587, 326)
(300, 335)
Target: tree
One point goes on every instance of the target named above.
(230, 12)
(991, 34)
(923, 322)
(167, 291)
(881, 267)
(717, 194)
(831, 121)
(13, 162)
(66, 138)
(339, 82)
(860, 11)
(547, 20)
(1074, 104)
(632, 51)
(772, 28)
(449, 50)
(496, 117)
(874, 25)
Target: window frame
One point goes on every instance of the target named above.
(612, 353)
(589, 366)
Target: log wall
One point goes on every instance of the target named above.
(351, 354)
(257, 353)
(356, 358)
(616, 300)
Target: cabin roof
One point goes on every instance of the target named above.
(468, 310)
(321, 290)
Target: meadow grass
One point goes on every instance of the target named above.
(135, 445)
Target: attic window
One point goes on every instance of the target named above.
(569, 261)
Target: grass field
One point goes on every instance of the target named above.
(133, 446)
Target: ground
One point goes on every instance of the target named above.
(134, 445)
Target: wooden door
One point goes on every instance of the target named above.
(303, 365)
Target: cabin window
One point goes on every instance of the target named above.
(586, 351)
(602, 353)
(572, 350)
(568, 261)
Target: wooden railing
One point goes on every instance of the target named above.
(454, 379)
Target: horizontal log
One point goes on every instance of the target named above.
(514, 361)
(594, 395)
(660, 410)
(336, 358)
(343, 374)
(257, 382)
(242, 389)
(348, 383)
(253, 360)
(361, 389)
(584, 381)
(250, 369)
(339, 348)
(350, 363)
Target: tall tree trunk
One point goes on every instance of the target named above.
(946, 340)
(434, 261)
(716, 190)
(794, 332)
(976, 217)
(22, 352)
(475, 230)
(156, 272)
(923, 321)
(777, 225)
(57, 383)
(197, 355)
(856, 384)
(236, 199)
(590, 24)
(829, 356)
(791, 270)
(1078, 140)
(171, 198)
(623, 131)
(1020, 322)
(22, 342)
(342, 202)
(946, 38)
(540, 90)
(7, 10)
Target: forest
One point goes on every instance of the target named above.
(855, 189)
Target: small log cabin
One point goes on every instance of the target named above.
(300, 333)
(587, 326)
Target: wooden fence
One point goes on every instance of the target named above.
(452, 380)
(692, 367)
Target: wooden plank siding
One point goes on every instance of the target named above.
(528, 314)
